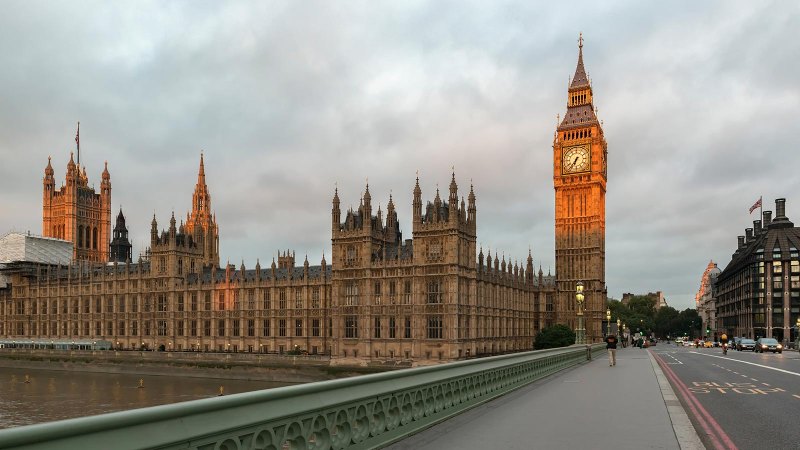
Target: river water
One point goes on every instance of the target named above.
(55, 395)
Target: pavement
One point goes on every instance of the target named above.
(592, 406)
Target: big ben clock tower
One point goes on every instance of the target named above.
(579, 179)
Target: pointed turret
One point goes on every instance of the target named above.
(417, 204)
(367, 211)
(579, 80)
(173, 230)
(453, 201)
(471, 206)
(153, 231)
(336, 213)
(580, 112)
(72, 173)
(48, 171)
(437, 206)
(201, 222)
(48, 191)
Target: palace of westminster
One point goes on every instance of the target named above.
(435, 297)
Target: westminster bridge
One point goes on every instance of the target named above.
(399, 409)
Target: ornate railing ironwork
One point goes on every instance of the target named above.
(368, 411)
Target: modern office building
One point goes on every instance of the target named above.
(758, 292)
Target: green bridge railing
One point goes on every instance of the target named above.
(368, 411)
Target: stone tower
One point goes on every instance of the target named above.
(120, 246)
(579, 179)
(77, 213)
(201, 223)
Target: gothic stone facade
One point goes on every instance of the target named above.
(426, 299)
(78, 214)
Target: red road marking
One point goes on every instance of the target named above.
(712, 428)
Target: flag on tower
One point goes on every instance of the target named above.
(78, 143)
(755, 205)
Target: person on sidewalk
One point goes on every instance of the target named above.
(611, 346)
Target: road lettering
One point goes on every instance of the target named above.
(708, 387)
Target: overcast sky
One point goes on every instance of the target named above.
(699, 102)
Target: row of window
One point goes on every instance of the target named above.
(233, 328)
(161, 303)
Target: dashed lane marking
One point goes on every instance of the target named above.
(765, 384)
(747, 362)
(795, 395)
(753, 379)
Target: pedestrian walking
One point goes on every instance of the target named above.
(611, 346)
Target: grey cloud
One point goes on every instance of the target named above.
(289, 99)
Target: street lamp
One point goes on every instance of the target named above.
(580, 332)
(619, 331)
(608, 319)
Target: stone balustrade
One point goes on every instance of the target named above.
(359, 412)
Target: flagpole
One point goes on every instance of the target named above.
(78, 143)
(761, 209)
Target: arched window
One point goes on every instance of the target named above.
(80, 236)
(88, 237)
(94, 238)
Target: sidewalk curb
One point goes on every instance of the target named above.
(684, 430)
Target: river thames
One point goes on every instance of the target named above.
(54, 395)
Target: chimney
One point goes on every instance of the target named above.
(756, 227)
(767, 218)
(780, 208)
(749, 233)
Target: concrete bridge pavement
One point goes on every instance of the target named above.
(591, 406)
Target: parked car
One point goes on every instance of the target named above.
(768, 344)
(746, 344)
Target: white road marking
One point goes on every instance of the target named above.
(765, 384)
(752, 364)
(795, 395)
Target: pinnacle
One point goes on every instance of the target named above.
(579, 80)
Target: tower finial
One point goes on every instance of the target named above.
(580, 40)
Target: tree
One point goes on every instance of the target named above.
(556, 336)
(665, 320)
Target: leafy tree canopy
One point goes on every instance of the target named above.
(556, 336)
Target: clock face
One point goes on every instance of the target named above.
(576, 159)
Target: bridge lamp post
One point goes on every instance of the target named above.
(580, 332)
(608, 319)
(619, 331)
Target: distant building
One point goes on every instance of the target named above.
(657, 297)
(705, 299)
(21, 247)
(18, 249)
(758, 292)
